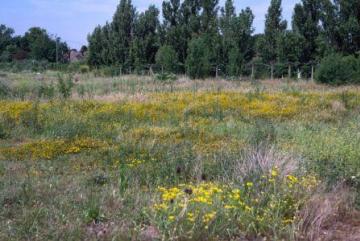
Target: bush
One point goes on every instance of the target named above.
(167, 58)
(84, 69)
(65, 86)
(4, 89)
(337, 69)
(3, 132)
(46, 91)
(198, 62)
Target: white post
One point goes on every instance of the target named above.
(312, 73)
(252, 72)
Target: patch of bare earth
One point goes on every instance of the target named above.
(330, 217)
(347, 228)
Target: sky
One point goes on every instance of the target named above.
(73, 20)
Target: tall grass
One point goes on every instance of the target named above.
(122, 158)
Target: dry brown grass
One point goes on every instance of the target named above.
(263, 160)
(330, 216)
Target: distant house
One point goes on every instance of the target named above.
(76, 56)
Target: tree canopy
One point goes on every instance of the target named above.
(201, 37)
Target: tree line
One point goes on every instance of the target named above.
(35, 44)
(198, 36)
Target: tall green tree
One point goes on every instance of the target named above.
(341, 24)
(175, 33)
(209, 30)
(290, 47)
(237, 41)
(209, 14)
(167, 58)
(198, 62)
(275, 26)
(122, 28)
(190, 16)
(42, 47)
(107, 45)
(6, 36)
(146, 38)
(306, 23)
(228, 25)
(189, 25)
(96, 47)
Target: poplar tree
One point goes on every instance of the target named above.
(306, 23)
(122, 28)
(146, 41)
(274, 28)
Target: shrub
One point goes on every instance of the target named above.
(65, 86)
(4, 89)
(46, 91)
(266, 207)
(167, 58)
(110, 71)
(3, 133)
(198, 64)
(337, 69)
(166, 78)
(84, 69)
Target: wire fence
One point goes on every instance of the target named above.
(249, 71)
(246, 72)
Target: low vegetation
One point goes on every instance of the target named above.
(134, 158)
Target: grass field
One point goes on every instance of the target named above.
(130, 158)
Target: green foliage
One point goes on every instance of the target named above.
(198, 62)
(262, 134)
(46, 91)
(167, 58)
(146, 40)
(4, 89)
(84, 69)
(93, 213)
(331, 152)
(122, 28)
(237, 46)
(306, 23)
(337, 69)
(274, 27)
(3, 132)
(165, 78)
(65, 86)
(5, 38)
(289, 48)
(31, 118)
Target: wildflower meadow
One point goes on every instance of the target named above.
(202, 160)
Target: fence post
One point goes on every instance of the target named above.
(312, 72)
(272, 71)
(298, 74)
(289, 72)
(252, 72)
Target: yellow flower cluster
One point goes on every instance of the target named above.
(49, 149)
(275, 198)
(14, 109)
(198, 201)
(135, 163)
